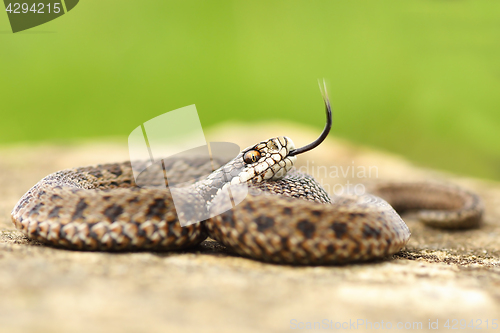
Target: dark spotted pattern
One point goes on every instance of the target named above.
(370, 232)
(66, 200)
(54, 212)
(307, 228)
(80, 207)
(264, 222)
(96, 173)
(36, 209)
(228, 218)
(326, 238)
(340, 229)
(157, 209)
(115, 169)
(112, 212)
(100, 208)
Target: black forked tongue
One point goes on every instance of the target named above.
(326, 130)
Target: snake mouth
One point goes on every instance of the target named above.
(326, 130)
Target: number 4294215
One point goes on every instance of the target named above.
(473, 324)
(36, 8)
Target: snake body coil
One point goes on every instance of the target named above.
(286, 217)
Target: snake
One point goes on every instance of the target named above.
(282, 216)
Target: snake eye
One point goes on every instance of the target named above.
(251, 156)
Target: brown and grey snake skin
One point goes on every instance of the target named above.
(286, 217)
(293, 221)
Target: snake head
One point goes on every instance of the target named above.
(267, 160)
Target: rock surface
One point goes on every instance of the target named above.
(439, 276)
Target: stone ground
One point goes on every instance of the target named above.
(439, 276)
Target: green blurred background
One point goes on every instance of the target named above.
(419, 78)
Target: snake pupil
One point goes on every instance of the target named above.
(251, 156)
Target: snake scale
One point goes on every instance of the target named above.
(286, 217)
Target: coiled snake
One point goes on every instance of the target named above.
(286, 216)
